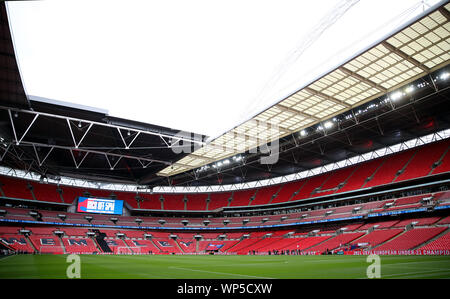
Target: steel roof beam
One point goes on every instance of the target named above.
(405, 56)
(362, 79)
(326, 97)
(67, 118)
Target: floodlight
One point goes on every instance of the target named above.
(328, 124)
(396, 95)
(409, 89)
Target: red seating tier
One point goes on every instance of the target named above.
(358, 178)
(412, 238)
(218, 200)
(264, 195)
(15, 188)
(196, 202)
(377, 237)
(173, 202)
(286, 192)
(16, 242)
(441, 243)
(337, 177)
(336, 242)
(417, 162)
(310, 185)
(388, 170)
(422, 162)
(241, 198)
(79, 245)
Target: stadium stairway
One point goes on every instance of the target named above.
(156, 246)
(62, 244)
(360, 237)
(234, 245)
(5, 247)
(432, 239)
(402, 170)
(100, 241)
(369, 178)
(128, 247)
(440, 161)
(179, 247)
(275, 195)
(293, 195)
(27, 239)
(317, 244)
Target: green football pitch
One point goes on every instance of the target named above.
(224, 267)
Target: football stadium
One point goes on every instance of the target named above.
(345, 174)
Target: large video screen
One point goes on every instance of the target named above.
(99, 205)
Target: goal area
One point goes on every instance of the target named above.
(51, 250)
(128, 250)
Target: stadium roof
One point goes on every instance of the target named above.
(205, 61)
(91, 145)
(416, 50)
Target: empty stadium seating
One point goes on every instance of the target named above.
(173, 202)
(402, 233)
(430, 159)
(79, 245)
(47, 244)
(196, 202)
(441, 243)
(150, 202)
(389, 168)
(46, 192)
(298, 217)
(310, 185)
(264, 195)
(411, 239)
(431, 233)
(336, 242)
(219, 200)
(422, 162)
(337, 178)
(285, 193)
(377, 237)
(358, 179)
(444, 165)
(15, 188)
(241, 198)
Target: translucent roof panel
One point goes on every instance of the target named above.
(372, 73)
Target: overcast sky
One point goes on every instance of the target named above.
(202, 66)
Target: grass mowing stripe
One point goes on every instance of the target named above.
(198, 267)
(408, 274)
(6, 257)
(422, 275)
(221, 273)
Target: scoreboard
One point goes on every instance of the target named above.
(99, 205)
